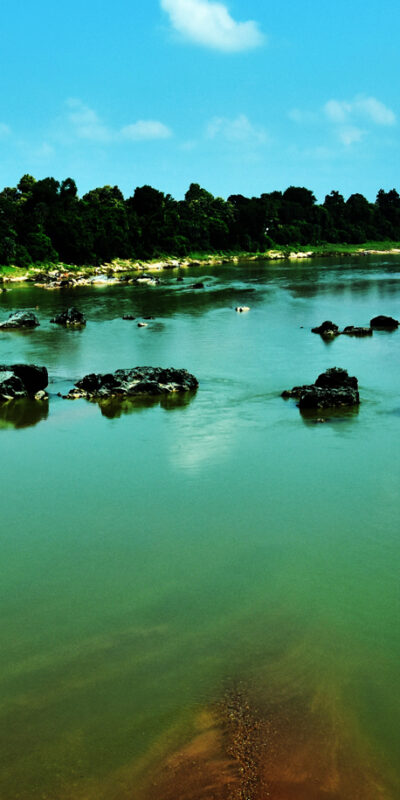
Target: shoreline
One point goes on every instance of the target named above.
(107, 273)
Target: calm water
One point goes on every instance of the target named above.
(149, 559)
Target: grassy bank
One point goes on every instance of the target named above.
(19, 274)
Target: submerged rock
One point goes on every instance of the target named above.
(71, 317)
(20, 319)
(384, 323)
(332, 389)
(20, 381)
(353, 330)
(328, 329)
(129, 317)
(199, 285)
(135, 382)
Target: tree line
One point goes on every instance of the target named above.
(46, 221)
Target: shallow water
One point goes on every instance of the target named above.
(152, 558)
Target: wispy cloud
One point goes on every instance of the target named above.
(5, 130)
(239, 129)
(348, 121)
(368, 108)
(145, 129)
(348, 135)
(210, 24)
(85, 123)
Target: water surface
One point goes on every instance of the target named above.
(153, 557)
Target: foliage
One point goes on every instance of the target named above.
(46, 221)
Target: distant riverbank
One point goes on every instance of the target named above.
(42, 273)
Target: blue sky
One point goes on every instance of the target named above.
(241, 97)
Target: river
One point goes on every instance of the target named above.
(155, 557)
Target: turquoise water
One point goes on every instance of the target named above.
(149, 559)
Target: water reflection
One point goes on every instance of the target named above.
(23, 413)
(316, 416)
(115, 408)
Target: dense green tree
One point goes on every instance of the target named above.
(45, 221)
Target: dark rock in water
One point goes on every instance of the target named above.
(384, 323)
(353, 330)
(323, 397)
(71, 317)
(20, 319)
(128, 317)
(22, 380)
(336, 378)
(33, 378)
(135, 382)
(327, 329)
(332, 388)
(179, 279)
(197, 286)
(11, 387)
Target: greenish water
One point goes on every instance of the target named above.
(149, 559)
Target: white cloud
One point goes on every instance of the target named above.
(349, 121)
(376, 111)
(5, 130)
(337, 111)
(210, 24)
(239, 129)
(350, 134)
(86, 124)
(369, 108)
(145, 129)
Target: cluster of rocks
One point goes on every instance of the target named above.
(70, 318)
(20, 381)
(328, 329)
(135, 382)
(19, 320)
(61, 279)
(332, 389)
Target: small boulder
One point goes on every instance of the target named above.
(142, 324)
(328, 329)
(22, 380)
(335, 378)
(353, 330)
(332, 389)
(11, 387)
(33, 378)
(70, 318)
(384, 323)
(197, 285)
(128, 317)
(323, 397)
(20, 319)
